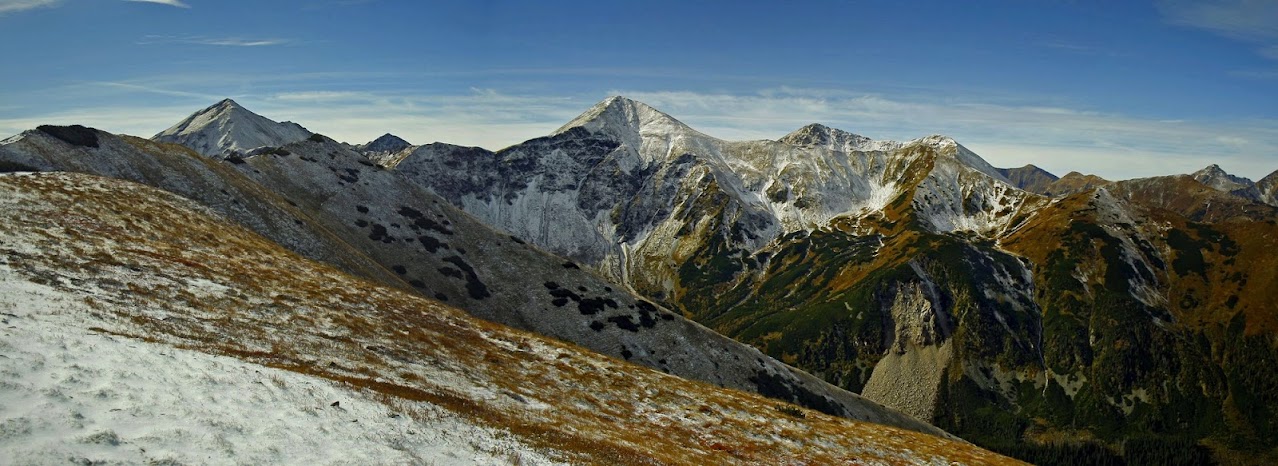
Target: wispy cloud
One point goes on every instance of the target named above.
(215, 41)
(1252, 21)
(1255, 74)
(135, 88)
(13, 6)
(174, 3)
(238, 42)
(1241, 19)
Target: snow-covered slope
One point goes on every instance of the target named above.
(226, 127)
(139, 327)
(85, 396)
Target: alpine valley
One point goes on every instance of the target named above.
(629, 289)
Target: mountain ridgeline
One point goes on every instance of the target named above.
(1052, 319)
(1009, 307)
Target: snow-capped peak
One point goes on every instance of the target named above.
(226, 127)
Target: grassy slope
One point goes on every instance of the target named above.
(158, 268)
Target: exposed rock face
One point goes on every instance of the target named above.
(918, 322)
(446, 254)
(1218, 179)
(1268, 187)
(910, 375)
(631, 191)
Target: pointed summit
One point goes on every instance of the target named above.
(386, 143)
(1220, 180)
(227, 127)
(625, 120)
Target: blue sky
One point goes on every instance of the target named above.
(1120, 89)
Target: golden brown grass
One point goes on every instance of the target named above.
(156, 268)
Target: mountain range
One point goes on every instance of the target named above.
(1051, 319)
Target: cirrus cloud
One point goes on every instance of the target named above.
(173, 3)
(217, 41)
(13, 6)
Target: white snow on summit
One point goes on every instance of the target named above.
(226, 127)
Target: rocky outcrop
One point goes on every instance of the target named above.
(911, 375)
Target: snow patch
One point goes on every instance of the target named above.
(70, 393)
